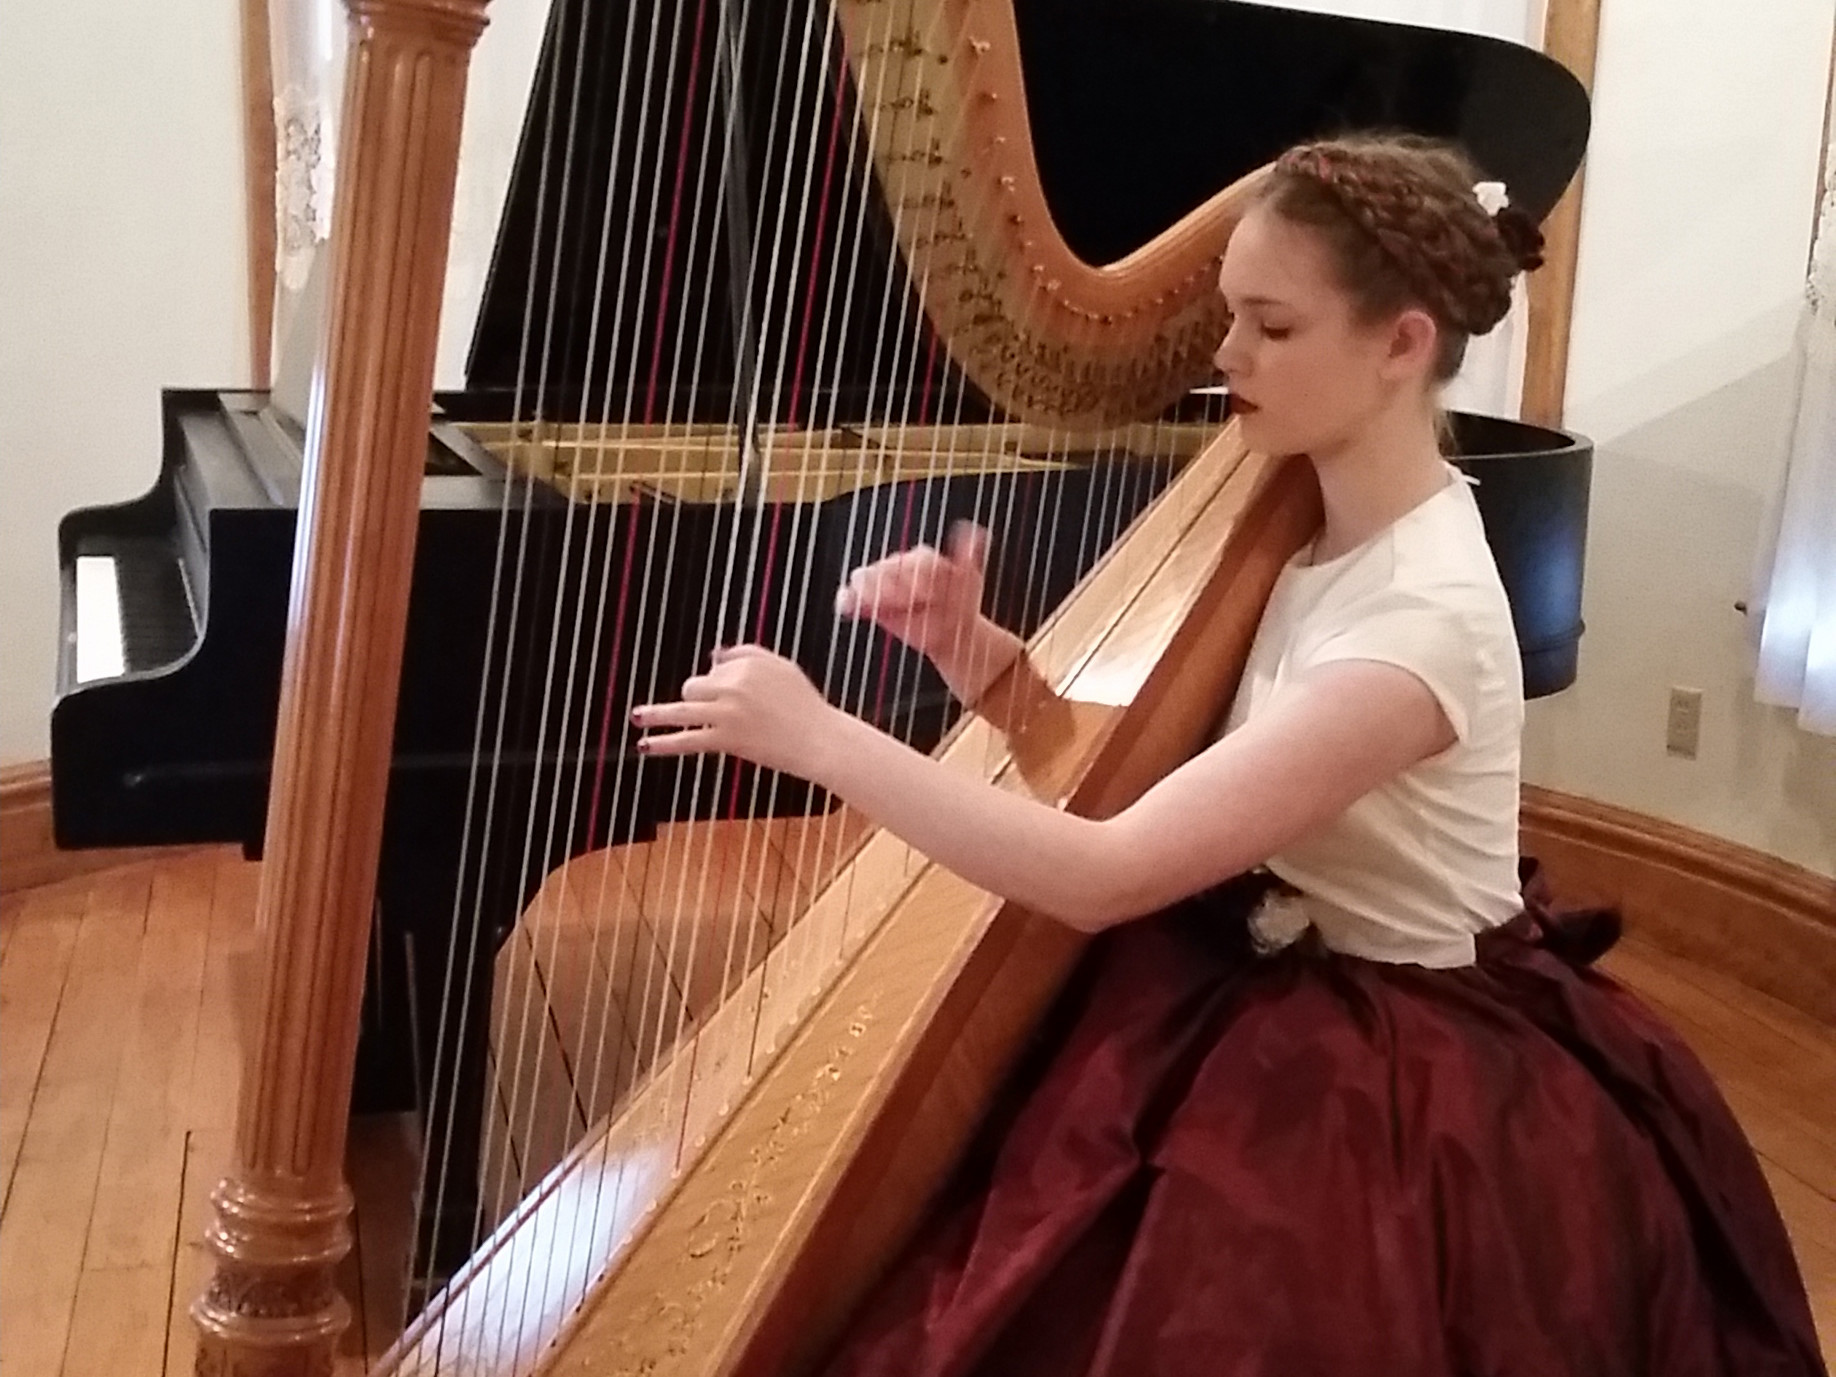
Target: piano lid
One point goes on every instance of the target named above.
(1141, 109)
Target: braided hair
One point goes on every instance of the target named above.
(1405, 228)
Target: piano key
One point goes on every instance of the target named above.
(134, 609)
(100, 650)
(158, 621)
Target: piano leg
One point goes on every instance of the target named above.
(439, 1036)
(387, 1080)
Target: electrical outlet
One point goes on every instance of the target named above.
(1683, 725)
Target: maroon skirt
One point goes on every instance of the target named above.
(1306, 1164)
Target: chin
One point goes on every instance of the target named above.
(1265, 437)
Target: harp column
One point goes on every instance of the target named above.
(282, 1215)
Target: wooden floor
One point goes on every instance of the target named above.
(118, 1070)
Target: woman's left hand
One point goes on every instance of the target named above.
(751, 703)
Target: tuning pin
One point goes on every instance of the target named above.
(980, 46)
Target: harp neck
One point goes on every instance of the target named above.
(1042, 333)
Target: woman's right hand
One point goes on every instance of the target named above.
(930, 599)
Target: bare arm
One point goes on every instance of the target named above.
(1330, 738)
(975, 658)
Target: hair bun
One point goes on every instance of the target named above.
(1522, 238)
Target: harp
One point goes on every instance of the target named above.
(747, 1174)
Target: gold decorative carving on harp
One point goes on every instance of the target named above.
(722, 1210)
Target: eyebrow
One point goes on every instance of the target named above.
(1252, 301)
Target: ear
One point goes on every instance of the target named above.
(1414, 338)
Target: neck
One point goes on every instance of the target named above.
(1380, 474)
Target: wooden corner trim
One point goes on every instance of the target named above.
(1710, 859)
(21, 781)
(1763, 920)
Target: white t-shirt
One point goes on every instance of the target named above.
(1415, 868)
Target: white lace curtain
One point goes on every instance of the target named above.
(1797, 595)
(306, 45)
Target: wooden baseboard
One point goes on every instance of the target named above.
(28, 855)
(1765, 922)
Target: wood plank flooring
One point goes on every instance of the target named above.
(119, 1061)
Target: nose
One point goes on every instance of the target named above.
(1229, 355)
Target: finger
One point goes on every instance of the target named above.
(879, 590)
(654, 715)
(922, 574)
(723, 654)
(691, 742)
(968, 545)
(918, 556)
(899, 590)
(851, 599)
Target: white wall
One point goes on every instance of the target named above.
(122, 266)
(1499, 18)
(496, 96)
(1701, 187)
(121, 270)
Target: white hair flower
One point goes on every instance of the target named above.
(1492, 196)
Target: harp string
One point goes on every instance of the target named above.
(756, 588)
(800, 596)
(672, 860)
(883, 680)
(756, 839)
(797, 597)
(604, 1012)
(499, 648)
(677, 854)
(887, 680)
(520, 1074)
(673, 240)
(638, 919)
(875, 494)
(539, 995)
(832, 823)
(573, 1065)
(561, 733)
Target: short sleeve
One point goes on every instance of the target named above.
(1413, 631)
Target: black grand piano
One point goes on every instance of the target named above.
(175, 603)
